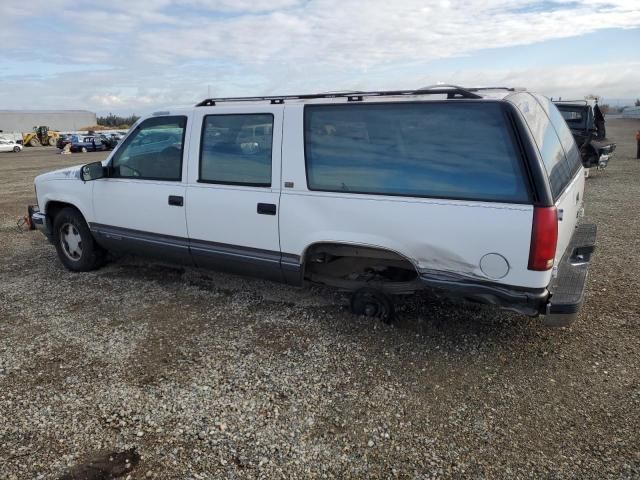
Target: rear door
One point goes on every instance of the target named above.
(233, 192)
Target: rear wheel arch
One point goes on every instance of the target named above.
(391, 266)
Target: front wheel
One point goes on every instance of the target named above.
(16, 149)
(76, 247)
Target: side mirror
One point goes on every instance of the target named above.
(92, 171)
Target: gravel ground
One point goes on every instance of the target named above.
(215, 376)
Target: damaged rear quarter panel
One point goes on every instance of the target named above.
(435, 235)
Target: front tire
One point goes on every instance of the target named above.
(16, 149)
(76, 247)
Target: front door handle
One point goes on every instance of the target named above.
(176, 200)
(267, 208)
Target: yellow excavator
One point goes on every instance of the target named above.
(41, 135)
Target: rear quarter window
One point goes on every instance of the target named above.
(553, 137)
(455, 150)
(573, 162)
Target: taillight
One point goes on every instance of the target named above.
(544, 238)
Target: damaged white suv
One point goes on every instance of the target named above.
(475, 192)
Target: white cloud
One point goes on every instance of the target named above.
(170, 50)
(618, 80)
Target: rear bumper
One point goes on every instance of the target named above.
(605, 154)
(558, 304)
(567, 289)
(522, 300)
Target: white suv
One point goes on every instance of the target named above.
(475, 192)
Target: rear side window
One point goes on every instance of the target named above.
(236, 149)
(453, 150)
(560, 168)
(573, 160)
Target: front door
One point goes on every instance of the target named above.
(233, 191)
(139, 208)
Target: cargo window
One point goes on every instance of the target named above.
(553, 138)
(236, 149)
(455, 150)
(573, 160)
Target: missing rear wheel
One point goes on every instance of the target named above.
(372, 303)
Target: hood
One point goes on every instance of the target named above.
(69, 173)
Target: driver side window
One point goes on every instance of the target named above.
(153, 151)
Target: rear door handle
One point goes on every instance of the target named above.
(176, 200)
(267, 208)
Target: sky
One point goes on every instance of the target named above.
(129, 56)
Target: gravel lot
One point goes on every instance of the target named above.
(215, 376)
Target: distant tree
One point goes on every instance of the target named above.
(638, 102)
(116, 121)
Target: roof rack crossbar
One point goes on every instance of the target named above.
(572, 101)
(479, 89)
(450, 90)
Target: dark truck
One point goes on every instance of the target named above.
(595, 150)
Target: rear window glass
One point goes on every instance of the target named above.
(571, 116)
(435, 149)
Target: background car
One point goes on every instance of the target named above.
(9, 146)
(580, 118)
(65, 139)
(87, 144)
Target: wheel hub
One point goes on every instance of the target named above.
(71, 241)
(372, 303)
(370, 310)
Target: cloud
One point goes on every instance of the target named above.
(171, 50)
(619, 80)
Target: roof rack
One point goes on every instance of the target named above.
(451, 91)
(571, 101)
(477, 89)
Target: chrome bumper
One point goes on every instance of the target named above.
(38, 221)
(603, 161)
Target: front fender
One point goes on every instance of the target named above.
(74, 192)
